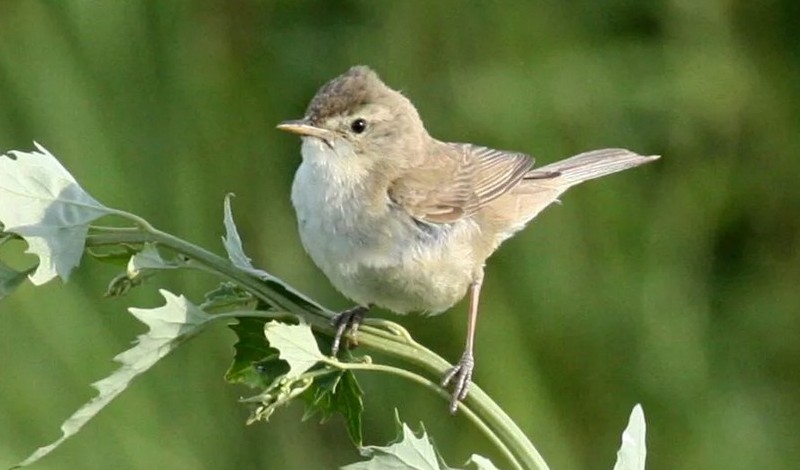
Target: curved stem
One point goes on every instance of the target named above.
(234, 314)
(477, 401)
(416, 378)
(400, 346)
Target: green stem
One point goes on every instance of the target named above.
(474, 418)
(233, 315)
(521, 452)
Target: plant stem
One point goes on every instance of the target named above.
(487, 414)
(474, 418)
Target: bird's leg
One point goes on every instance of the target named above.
(347, 321)
(461, 373)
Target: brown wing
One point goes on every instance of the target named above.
(457, 180)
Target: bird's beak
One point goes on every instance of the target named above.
(303, 128)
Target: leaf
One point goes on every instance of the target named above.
(43, 203)
(147, 259)
(170, 325)
(255, 363)
(340, 393)
(295, 344)
(233, 246)
(481, 463)
(407, 452)
(633, 452)
(10, 279)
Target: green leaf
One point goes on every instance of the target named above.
(633, 451)
(170, 325)
(295, 344)
(233, 246)
(10, 279)
(409, 451)
(255, 363)
(340, 393)
(43, 203)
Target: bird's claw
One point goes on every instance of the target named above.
(460, 375)
(347, 321)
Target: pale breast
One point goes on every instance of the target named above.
(379, 255)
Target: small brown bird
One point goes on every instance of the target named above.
(398, 219)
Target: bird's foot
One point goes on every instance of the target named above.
(347, 321)
(460, 375)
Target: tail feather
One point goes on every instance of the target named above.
(589, 165)
(541, 187)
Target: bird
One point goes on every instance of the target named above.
(398, 219)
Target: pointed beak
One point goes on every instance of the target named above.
(303, 128)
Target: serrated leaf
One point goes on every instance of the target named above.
(233, 246)
(409, 451)
(633, 450)
(255, 363)
(481, 463)
(42, 202)
(340, 393)
(10, 279)
(295, 344)
(170, 325)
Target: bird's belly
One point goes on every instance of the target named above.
(424, 282)
(391, 272)
(380, 258)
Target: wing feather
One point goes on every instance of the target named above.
(457, 180)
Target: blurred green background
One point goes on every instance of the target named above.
(674, 285)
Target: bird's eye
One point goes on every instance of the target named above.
(359, 125)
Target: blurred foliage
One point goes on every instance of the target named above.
(673, 285)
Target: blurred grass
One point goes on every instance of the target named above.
(673, 285)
